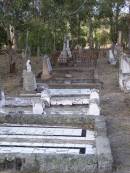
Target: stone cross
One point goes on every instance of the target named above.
(66, 53)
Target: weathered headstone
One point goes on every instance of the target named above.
(29, 80)
(46, 68)
(111, 58)
(66, 52)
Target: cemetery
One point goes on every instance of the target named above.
(64, 86)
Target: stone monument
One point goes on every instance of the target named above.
(111, 58)
(47, 68)
(29, 80)
(66, 52)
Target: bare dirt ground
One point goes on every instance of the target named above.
(115, 107)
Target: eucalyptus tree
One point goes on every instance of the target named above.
(13, 16)
(110, 11)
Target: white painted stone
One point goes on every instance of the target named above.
(38, 107)
(125, 64)
(28, 150)
(2, 101)
(59, 148)
(46, 97)
(90, 136)
(45, 144)
(94, 96)
(121, 81)
(63, 92)
(69, 100)
(39, 131)
(69, 92)
(94, 109)
(28, 66)
(127, 84)
(31, 150)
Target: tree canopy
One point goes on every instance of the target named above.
(86, 22)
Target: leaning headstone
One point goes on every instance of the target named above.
(111, 58)
(29, 80)
(46, 69)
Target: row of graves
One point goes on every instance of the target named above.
(54, 127)
(72, 68)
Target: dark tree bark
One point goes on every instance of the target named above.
(90, 32)
(12, 58)
(129, 29)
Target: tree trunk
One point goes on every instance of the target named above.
(12, 59)
(90, 32)
(129, 30)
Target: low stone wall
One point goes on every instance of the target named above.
(57, 119)
(50, 163)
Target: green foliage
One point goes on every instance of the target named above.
(81, 19)
(3, 36)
